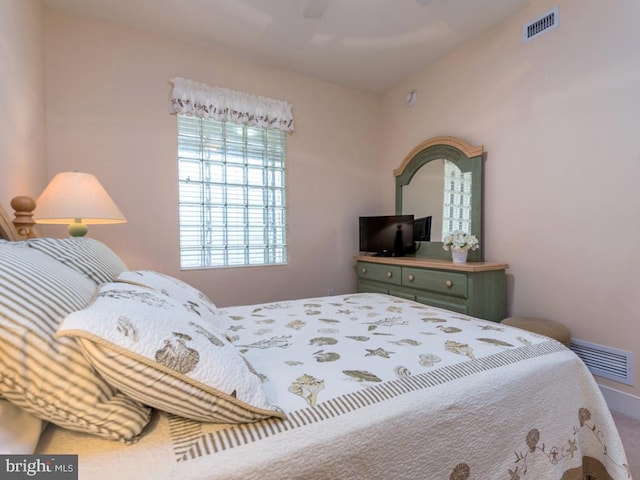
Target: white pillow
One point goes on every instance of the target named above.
(174, 360)
(19, 430)
(49, 377)
(189, 296)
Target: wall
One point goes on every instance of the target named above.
(558, 119)
(107, 91)
(21, 100)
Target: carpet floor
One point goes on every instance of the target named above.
(629, 429)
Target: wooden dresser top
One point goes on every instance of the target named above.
(437, 264)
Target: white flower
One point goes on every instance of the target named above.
(460, 240)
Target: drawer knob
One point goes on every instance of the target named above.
(364, 270)
(389, 275)
(411, 278)
(449, 283)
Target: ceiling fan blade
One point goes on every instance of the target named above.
(313, 9)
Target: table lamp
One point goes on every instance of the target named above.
(77, 199)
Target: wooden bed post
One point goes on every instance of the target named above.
(23, 215)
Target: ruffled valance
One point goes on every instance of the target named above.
(201, 100)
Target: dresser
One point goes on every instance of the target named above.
(474, 288)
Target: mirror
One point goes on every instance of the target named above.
(420, 190)
(424, 196)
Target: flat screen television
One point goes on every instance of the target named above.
(387, 235)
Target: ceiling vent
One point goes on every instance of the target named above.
(606, 362)
(544, 23)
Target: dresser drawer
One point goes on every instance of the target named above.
(380, 273)
(447, 283)
(446, 302)
(365, 286)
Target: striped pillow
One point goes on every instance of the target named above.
(86, 255)
(175, 361)
(46, 376)
(178, 290)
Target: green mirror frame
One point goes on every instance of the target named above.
(468, 159)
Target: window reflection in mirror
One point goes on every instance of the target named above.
(440, 190)
(457, 200)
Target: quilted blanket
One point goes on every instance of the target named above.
(377, 387)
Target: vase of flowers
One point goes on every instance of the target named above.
(460, 243)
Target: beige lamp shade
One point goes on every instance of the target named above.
(77, 199)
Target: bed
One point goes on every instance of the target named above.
(147, 378)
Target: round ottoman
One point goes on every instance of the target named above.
(543, 326)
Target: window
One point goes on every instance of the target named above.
(232, 197)
(231, 174)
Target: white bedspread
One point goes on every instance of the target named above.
(377, 387)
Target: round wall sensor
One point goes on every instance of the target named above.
(411, 97)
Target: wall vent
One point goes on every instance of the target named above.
(607, 362)
(544, 23)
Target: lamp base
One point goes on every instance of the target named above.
(77, 228)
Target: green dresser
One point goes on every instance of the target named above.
(475, 288)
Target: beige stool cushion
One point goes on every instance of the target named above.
(543, 326)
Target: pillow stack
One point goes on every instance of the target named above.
(90, 346)
(46, 376)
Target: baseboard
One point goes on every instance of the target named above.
(621, 402)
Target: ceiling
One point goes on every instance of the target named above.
(370, 45)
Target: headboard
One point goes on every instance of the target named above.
(21, 225)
